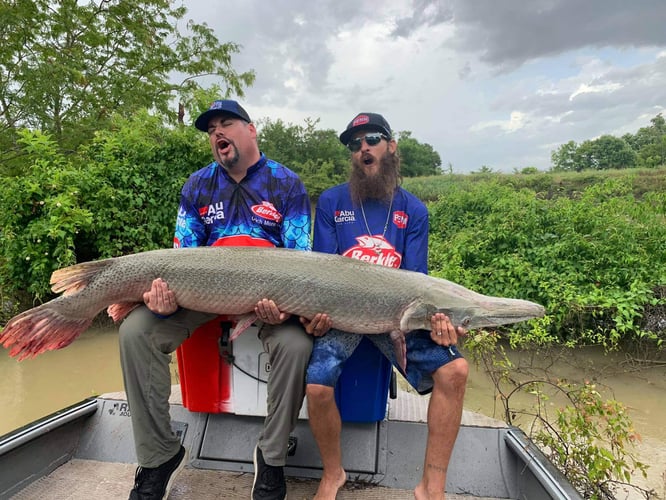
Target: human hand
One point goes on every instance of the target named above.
(159, 299)
(318, 325)
(443, 332)
(268, 312)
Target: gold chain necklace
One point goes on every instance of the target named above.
(375, 245)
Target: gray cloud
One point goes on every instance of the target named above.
(281, 40)
(424, 13)
(508, 33)
(485, 82)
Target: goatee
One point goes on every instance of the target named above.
(231, 161)
(380, 186)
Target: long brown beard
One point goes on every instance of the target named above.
(381, 186)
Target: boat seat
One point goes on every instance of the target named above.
(218, 376)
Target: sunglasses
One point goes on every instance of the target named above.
(370, 139)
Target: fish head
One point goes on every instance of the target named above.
(418, 316)
(494, 311)
(466, 308)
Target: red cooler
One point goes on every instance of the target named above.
(204, 368)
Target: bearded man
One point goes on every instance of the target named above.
(372, 218)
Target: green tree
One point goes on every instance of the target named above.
(646, 148)
(603, 153)
(648, 135)
(653, 155)
(563, 159)
(650, 143)
(284, 142)
(316, 155)
(613, 152)
(67, 66)
(417, 159)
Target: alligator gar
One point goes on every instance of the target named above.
(358, 296)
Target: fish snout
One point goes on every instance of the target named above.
(502, 312)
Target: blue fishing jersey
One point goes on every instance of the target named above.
(268, 207)
(398, 238)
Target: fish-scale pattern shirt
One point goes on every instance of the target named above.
(341, 227)
(268, 207)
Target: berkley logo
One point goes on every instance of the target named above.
(400, 219)
(360, 120)
(375, 250)
(267, 211)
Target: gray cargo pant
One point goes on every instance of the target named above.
(146, 344)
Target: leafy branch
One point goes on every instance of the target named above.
(588, 439)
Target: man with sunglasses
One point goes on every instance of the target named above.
(242, 198)
(372, 218)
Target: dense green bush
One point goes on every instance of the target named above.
(116, 195)
(593, 261)
(135, 173)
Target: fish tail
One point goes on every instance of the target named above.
(40, 329)
(75, 278)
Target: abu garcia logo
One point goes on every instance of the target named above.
(214, 211)
(342, 216)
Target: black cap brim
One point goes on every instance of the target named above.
(365, 121)
(346, 136)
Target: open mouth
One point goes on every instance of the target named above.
(223, 146)
(367, 160)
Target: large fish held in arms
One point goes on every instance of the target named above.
(358, 296)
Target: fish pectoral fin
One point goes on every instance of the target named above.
(416, 316)
(400, 348)
(243, 322)
(121, 310)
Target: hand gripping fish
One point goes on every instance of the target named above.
(358, 297)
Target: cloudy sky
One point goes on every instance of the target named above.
(499, 83)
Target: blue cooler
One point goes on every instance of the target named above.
(362, 389)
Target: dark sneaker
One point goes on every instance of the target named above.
(154, 484)
(269, 483)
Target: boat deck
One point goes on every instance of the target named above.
(86, 479)
(91, 457)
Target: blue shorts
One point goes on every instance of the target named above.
(424, 357)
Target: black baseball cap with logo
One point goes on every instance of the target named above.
(221, 107)
(366, 121)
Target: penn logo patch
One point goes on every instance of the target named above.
(400, 219)
(360, 120)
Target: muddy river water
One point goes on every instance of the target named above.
(34, 388)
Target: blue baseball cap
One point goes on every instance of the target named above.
(221, 107)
